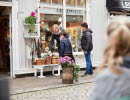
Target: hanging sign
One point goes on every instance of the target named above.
(125, 4)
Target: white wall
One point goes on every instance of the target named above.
(99, 16)
(97, 22)
(25, 7)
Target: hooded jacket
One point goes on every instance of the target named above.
(86, 40)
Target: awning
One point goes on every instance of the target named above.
(118, 5)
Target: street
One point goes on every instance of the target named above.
(74, 92)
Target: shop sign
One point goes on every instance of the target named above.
(72, 12)
(126, 4)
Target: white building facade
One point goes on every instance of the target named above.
(71, 14)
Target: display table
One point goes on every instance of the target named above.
(40, 67)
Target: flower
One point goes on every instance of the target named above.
(66, 61)
(33, 14)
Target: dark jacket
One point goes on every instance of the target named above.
(86, 40)
(57, 38)
(65, 47)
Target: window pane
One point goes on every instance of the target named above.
(73, 28)
(46, 1)
(81, 3)
(50, 18)
(70, 2)
(57, 2)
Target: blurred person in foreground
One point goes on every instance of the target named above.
(113, 79)
(4, 89)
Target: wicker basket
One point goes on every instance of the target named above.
(55, 60)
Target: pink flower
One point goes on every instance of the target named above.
(33, 14)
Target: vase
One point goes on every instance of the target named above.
(67, 75)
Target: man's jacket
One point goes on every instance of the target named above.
(86, 40)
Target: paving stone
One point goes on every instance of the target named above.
(76, 92)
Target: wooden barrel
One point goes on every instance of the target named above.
(67, 75)
(40, 62)
(55, 60)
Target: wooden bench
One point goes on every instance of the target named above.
(40, 67)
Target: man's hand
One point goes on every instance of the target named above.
(85, 52)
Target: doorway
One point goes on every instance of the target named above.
(5, 33)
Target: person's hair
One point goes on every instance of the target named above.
(84, 25)
(55, 26)
(118, 31)
(64, 33)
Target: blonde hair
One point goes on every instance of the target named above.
(55, 26)
(118, 31)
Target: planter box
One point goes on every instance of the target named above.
(55, 60)
(67, 75)
(48, 61)
(40, 62)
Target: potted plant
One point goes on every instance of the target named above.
(48, 59)
(31, 20)
(40, 61)
(76, 72)
(54, 59)
(69, 70)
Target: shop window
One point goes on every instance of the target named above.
(45, 1)
(47, 21)
(73, 23)
(80, 3)
(70, 2)
(55, 2)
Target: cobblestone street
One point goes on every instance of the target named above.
(73, 92)
(50, 88)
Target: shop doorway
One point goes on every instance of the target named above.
(5, 34)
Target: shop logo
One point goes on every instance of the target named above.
(126, 4)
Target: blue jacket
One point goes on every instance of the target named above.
(65, 46)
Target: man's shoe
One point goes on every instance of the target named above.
(84, 75)
(91, 73)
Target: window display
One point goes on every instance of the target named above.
(47, 21)
(81, 3)
(73, 28)
(57, 1)
(70, 2)
(45, 1)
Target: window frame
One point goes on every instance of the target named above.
(64, 8)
